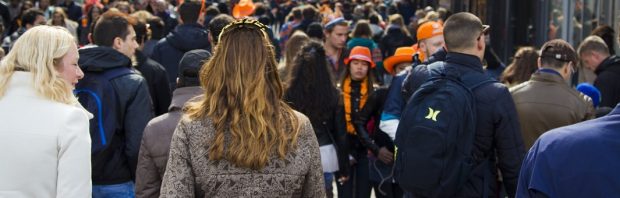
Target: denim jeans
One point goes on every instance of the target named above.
(123, 190)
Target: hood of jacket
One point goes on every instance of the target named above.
(97, 58)
(187, 37)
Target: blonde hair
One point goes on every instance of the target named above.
(243, 98)
(397, 19)
(39, 51)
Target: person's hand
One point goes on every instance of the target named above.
(343, 179)
(352, 161)
(386, 156)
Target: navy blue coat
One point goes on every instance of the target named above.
(579, 160)
(498, 134)
(169, 50)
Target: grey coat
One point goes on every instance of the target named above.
(156, 144)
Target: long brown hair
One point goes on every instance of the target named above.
(243, 98)
(522, 67)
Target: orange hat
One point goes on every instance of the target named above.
(429, 29)
(402, 55)
(243, 8)
(360, 53)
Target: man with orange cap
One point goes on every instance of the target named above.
(430, 39)
(429, 49)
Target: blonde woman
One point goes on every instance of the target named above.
(44, 138)
(241, 139)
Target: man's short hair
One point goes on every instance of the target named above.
(189, 11)
(461, 31)
(30, 16)
(110, 25)
(593, 44)
(217, 24)
(309, 13)
(141, 32)
(557, 52)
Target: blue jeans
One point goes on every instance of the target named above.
(329, 178)
(123, 190)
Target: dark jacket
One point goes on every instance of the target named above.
(169, 50)
(607, 75)
(579, 160)
(332, 131)
(393, 39)
(156, 144)
(546, 102)
(117, 163)
(376, 139)
(419, 73)
(157, 79)
(74, 10)
(498, 136)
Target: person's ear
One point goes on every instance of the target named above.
(117, 43)
(538, 61)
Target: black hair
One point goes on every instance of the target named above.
(310, 90)
(189, 11)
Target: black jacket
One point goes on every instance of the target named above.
(169, 50)
(393, 39)
(498, 136)
(157, 79)
(332, 131)
(372, 110)
(418, 75)
(117, 163)
(607, 75)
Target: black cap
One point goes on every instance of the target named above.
(189, 67)
(560, 50)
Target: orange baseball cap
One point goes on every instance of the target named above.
(402, 55)
(429, 29)
(243, 8)
(360, 53)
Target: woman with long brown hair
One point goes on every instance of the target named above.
(522, 67)
(240, 139)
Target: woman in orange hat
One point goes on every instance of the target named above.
(356, 85)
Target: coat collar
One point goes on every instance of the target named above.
(468, 61)
(181, 95)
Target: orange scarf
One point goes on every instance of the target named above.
(347, 101)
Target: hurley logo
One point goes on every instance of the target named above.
(432, 114)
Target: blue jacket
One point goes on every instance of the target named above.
(579, 160)
(169, 50)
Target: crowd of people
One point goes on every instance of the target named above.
(158, 98)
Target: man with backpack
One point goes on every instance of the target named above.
(460, 126)
(118, 97)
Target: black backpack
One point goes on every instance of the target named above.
(435, 137)
(97, 94)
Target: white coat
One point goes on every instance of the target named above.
(44, 145)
